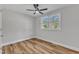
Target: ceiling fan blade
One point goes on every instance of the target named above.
(29, 10)
(40, 12)
(43, 9)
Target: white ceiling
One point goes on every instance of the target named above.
(22, 7)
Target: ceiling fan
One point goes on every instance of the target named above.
(37, 9)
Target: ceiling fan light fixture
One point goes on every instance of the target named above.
(37, 12)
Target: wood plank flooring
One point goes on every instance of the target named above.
(36, 46)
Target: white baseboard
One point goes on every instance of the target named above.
(59, 43)
(19, 40)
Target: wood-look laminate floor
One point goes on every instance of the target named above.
(36, 46)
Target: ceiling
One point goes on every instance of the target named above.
(22, 7)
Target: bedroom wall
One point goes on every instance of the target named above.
(16, 27)
(0, 27)
(69, 35)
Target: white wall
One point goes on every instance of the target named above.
(0, 27)
(16, 26)
(0, 31)
(69, 35)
